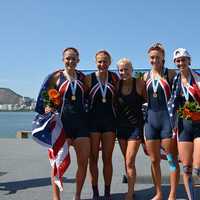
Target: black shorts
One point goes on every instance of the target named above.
(75, 125)
(126, 133)
(188, 130)
(102, 125)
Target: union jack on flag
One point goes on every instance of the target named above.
(48, 131)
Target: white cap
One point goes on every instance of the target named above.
(181, 52)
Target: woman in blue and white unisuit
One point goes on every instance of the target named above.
(186, 88)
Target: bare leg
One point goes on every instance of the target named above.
(153, 148)
(174, 176)
(196, 161)
(108, 142)
(185, 151)
(170, 146)
(132, 149)
(196, 154)
(153, 179)
(93, 162)
(56, 192)
(123, 147)
(82, 148)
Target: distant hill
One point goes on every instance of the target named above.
(8, 96)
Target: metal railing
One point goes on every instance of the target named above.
(136, 70)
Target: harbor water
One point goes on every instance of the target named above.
(11, 122)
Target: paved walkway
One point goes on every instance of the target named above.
(25, 174)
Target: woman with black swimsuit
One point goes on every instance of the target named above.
(131, 94)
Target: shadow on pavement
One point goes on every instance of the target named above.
(147, 194)
(115, 196)
(15, 186)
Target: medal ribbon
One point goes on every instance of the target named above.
(103, 90)
(73, 86)
(185, 89)
(155, 83)
(73, 82)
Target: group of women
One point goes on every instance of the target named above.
(99, 107)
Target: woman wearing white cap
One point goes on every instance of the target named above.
(157, 130)
(186, 99)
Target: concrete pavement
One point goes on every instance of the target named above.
(25, 174)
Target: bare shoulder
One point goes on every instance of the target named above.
(115, 77)
(88, 80)
(171, 73)
(55, 76)
(140, 82)
(140, 88)
(145, 76)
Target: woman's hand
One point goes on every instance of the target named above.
(49, 109)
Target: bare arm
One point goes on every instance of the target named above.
(87, 83)
(171, 75)
(145, 76)
(141, 89)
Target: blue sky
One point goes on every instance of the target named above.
(33, 34)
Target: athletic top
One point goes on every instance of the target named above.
(99, 107)
(72, 105)
(129, 107)
(159, 101)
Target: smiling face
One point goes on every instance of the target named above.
(156, 59)
(70, 59)
(103, 62)
(125, 70)
(182, 63)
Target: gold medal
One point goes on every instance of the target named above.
(73, 97)
(155, 95)
(104, 100)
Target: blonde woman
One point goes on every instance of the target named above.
(130, 96)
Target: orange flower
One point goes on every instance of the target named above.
(54, 96)
(186, 112)
(190, 111)
(56, 101)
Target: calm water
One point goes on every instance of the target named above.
(11, 122)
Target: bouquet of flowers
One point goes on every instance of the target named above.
(51, 98)
(189, 111)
